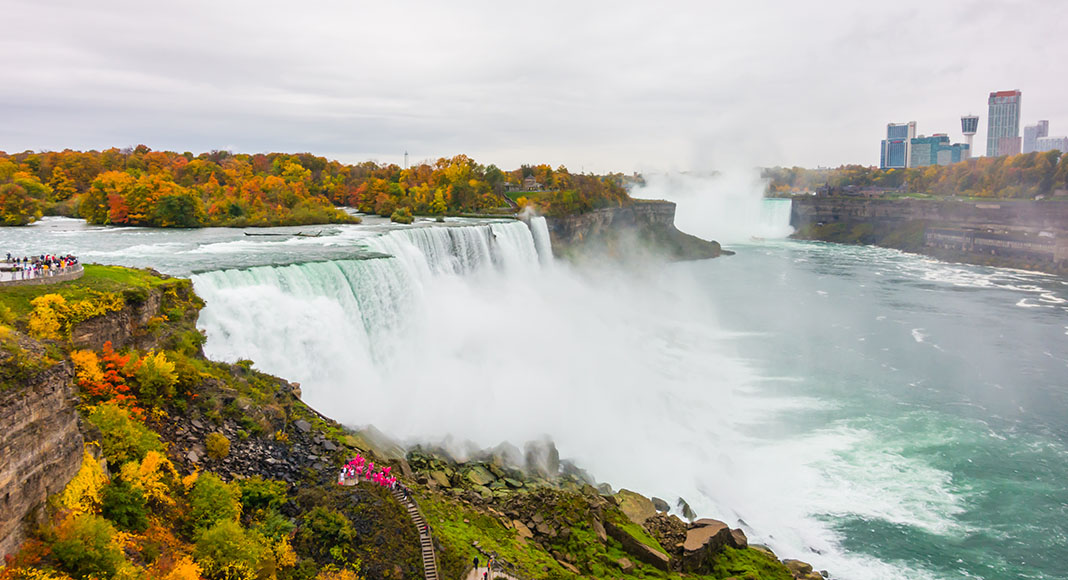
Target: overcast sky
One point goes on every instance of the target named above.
(596, 86)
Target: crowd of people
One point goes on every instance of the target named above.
(29, 267)
(359, 468)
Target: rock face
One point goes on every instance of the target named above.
(126, 327)
(1031, 235)
(651, 222)
(40, 448)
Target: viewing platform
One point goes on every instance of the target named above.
(9, 276)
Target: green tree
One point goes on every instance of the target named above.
(84, 548)
(17, 207)
(211, 501)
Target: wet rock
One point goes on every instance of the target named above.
(303, 425)
(798, 568)
(515, 483)
(329, 445)
(660, 505)
(685, 510)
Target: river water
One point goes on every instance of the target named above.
(879, 414)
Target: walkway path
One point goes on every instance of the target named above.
(28, 278)
(426, 542)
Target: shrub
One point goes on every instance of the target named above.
(155, 476)
(258, 493)
(326, 534)
(122, 438)
(84, 547)
(402, 216)
(211, 501)
(156, 378)
(226, 550)
(218, 445)
(125, 505)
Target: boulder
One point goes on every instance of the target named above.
(636, 548)
(706, 538)
(598, 528)
(798, 568)
(636, 506)
(625, 565)
(479, 475)
(440, 478)
(660, 505)
(522, 530)
(685, 509)
(738, 539)
(303, 425)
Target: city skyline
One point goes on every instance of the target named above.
(593, 86)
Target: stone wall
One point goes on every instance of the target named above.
(40, 448)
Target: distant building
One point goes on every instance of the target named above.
(969, 124)
(531, 184)
(896, 148)
(1032, 133)
(1052, 144)
(1003, 123)
(936, 150)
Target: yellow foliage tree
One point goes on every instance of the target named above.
(185, 569)
(46, 318)
(154, 475)
(82, 494)
(87, 366)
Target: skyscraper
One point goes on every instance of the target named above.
(1032, 133)
(897, 147)
(1003, 123)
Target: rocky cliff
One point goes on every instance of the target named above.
(1029, 235)
(642, 226)
(40, 448)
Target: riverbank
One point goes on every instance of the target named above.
(1027, 235)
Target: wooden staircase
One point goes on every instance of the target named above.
(426, 542)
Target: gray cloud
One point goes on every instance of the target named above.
(594, 85)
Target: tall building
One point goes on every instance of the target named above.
(1003, 123)
(1052, 144)
(936, 150)
(969, 124)
(897, 147)
(1032, 133)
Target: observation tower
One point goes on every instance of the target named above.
(968, 125)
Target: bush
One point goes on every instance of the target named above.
(211, 501)
(326, 534)
(402, 216)
(226, 550)
(125, 505)
(258, 493)
(156, 378)
(84, 548)
(218, 445)
(122, 438)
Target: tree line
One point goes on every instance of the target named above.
(1024, 176)
(142, 187)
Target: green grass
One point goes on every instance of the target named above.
(446, 518)
(749, 563)
(635, 531)
(125, 281)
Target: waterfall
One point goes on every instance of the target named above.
(348, 314)
(540, 230)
